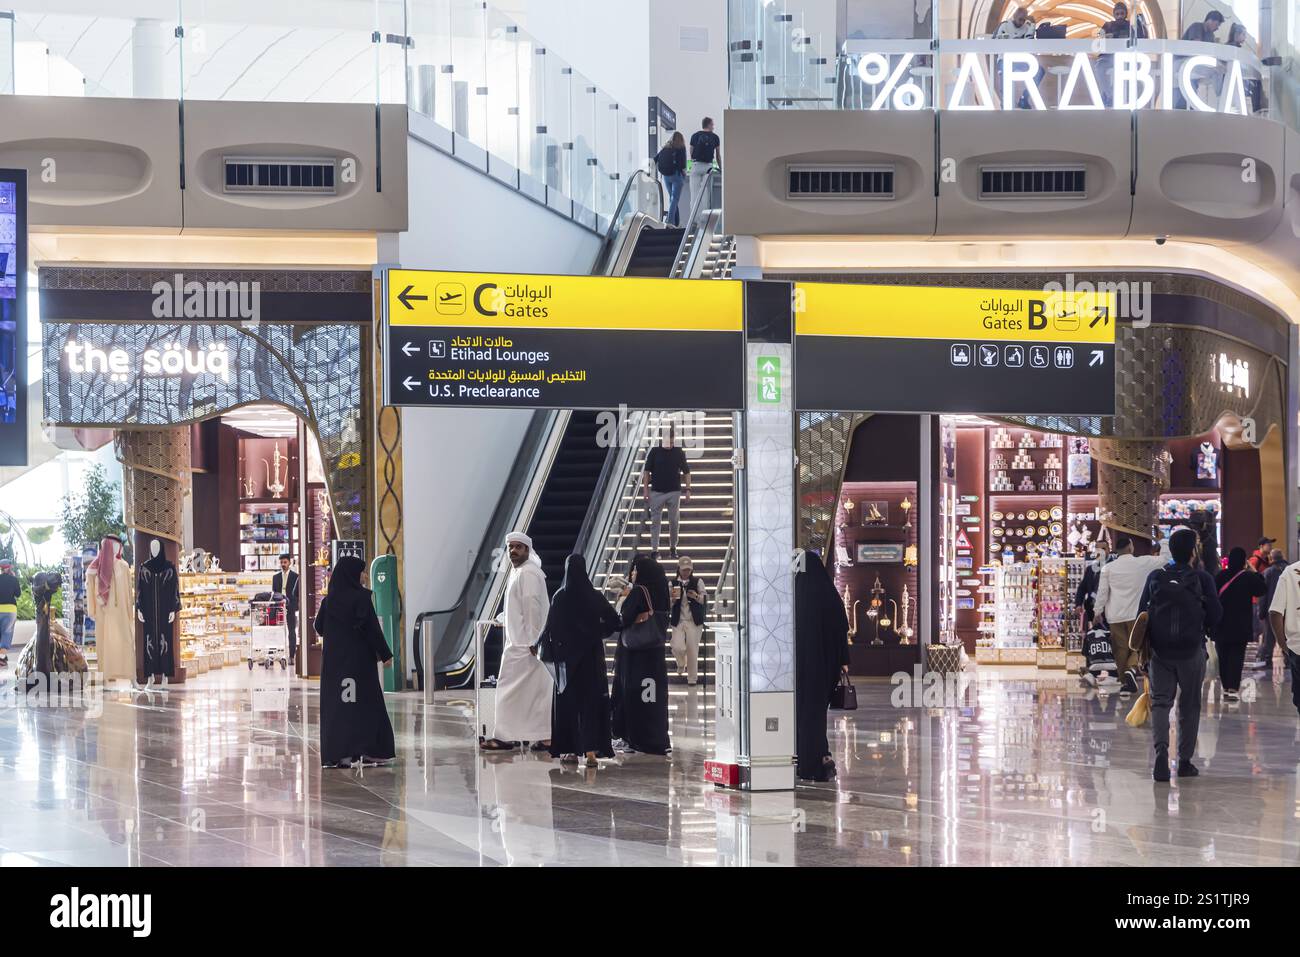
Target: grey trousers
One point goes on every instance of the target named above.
(658, 502)
(1181, 677)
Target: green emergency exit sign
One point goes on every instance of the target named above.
(769, 379)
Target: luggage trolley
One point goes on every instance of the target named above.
(268, 639)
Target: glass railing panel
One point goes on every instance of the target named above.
(556, 142)
(6, 52)
(431, 85)
(608, 178)
(470, 80)
(282, 51)
(502, 51)
(583, 160)
(129, 49)
(390, 51)
(533, 131)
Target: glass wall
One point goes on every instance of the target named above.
(497, 98)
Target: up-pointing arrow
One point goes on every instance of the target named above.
(410, 349)
(768, 367)
(411, 384)
(1098, 358)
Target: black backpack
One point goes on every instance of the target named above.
(1176, 612)
(664, 160)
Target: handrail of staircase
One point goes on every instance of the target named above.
(637, 478)
(609, 492)
(728, 561)
(701, 203)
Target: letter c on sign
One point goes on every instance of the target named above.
(478, 298)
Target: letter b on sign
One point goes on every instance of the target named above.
(1037, 314)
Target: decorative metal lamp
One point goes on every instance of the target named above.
(906, 506)
(875, 607)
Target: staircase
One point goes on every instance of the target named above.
(566, 496)
(706, 529)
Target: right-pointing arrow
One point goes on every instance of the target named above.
(411, 384)
(1098, 358)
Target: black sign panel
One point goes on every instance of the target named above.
(835, 373)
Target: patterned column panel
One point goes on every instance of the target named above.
(769, 490)
(1131, 475)
(156, 474)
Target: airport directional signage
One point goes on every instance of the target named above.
(952, 350)
(489, 340)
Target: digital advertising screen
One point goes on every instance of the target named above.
(13, 317)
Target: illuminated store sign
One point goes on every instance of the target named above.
(1232, 374)
(13, 317)
(1132, 80)
(169, 360)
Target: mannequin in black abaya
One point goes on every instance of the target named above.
(573, 648)
(821, 653)
(641, 677)
(354, 723)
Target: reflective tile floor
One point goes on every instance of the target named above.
(1018, 768)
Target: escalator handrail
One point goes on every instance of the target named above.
(601, 515)
(638, 476)
(625, 210)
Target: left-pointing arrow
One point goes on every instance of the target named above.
(410, 349)
(406, 297)
(410, 383)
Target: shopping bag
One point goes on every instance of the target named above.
(1212, 667)
(1141, 710)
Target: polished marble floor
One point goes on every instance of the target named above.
(1015, 768)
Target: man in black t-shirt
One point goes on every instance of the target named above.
(661, 478)
(706, 152)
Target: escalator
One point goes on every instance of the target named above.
(566, 496)
(655, 252)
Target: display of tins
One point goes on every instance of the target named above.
(1032, 514)
(1056, 543)
(1056, 512)
(996, 516)
(1020, 517)
(1042, 531)
(996, 533)
(1057, 528)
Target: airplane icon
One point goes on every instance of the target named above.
(451, 298)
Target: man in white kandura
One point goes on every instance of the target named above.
(524, 686)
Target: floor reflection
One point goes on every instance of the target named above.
(1014, 768)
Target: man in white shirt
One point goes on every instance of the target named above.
(1284, 617)
(1118, 593)
(1019, 27)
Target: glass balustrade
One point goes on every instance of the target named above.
(485, 89)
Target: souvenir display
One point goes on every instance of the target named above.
(1207, 462)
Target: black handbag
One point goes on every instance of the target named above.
(844, 697)
(645, 632)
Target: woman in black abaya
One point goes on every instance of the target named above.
(641, 677)
(821, 653)
(573, 647)
(354, 723)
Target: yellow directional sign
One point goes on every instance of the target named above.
(925, 312)
(419, 297)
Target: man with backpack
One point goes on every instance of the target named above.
(1182, 605)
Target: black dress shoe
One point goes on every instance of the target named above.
(1161, 771)
(1187, 770)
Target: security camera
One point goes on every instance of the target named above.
(1161, 240)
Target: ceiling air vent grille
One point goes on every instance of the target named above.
(253, 174)
(839, 182)
(1033, 182)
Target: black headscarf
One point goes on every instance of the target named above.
(579, 618)
(1236, 560)
(347, 601)
(651, 574)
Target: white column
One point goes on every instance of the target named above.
(147, 39)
